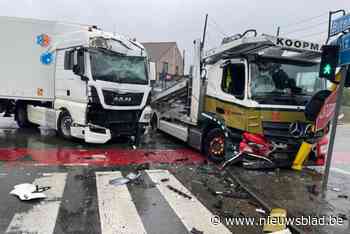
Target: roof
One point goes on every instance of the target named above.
(156, 50)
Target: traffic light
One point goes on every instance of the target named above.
(329, 62)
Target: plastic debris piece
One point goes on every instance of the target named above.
(28, 191)
(119, 181)
(336, 189)
(179, 192)
(260, 211)
(278, 214)
(133, 176)
(196, 231)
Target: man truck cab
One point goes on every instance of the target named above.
(79, 80)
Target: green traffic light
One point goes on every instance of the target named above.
(327, 69)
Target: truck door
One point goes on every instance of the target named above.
(69, 86)
(232, 94)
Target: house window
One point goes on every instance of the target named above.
(233, 80)
(165, 67)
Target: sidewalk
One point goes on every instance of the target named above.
(299, 194)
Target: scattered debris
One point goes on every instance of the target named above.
(133, 176)
(124, 180)
(260, 211)
(218, 205)
(342, 216)
(313, 189)
(196, 231)
(28, 191)
(143, 167)
(96, 157)
(229, 193)
(164, 180)
(343, 196)
(179, 192)
(336, 189)
(181, 159)
(134, 147)
(119, 181)
(279, 227)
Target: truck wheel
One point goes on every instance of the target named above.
(64, 123)
(22, 116)
(214, 145)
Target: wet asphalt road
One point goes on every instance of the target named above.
(77, 209)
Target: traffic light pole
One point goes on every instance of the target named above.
(333, 130)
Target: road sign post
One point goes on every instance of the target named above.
(333, 130)
(337, 26)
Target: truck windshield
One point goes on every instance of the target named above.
(113, 67)
(286, 83)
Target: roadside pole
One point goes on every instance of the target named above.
(333, 130)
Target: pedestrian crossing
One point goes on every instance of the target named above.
(121, 208)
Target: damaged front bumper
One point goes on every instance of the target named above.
(91, 133)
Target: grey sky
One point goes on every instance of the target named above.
(182, 20)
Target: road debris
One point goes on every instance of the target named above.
(196, 231)
(28, 191)
(218, 205)
(342, 216)
(179, 192)
(336, 189)
(124, 180)
(313, 189)
(277, 214)
(259, 210)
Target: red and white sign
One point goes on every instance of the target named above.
(327, 111)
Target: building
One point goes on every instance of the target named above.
(167, 58)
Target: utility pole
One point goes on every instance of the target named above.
(204, 32)
(333, 130)
(278, 31)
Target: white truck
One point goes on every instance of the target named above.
(77, 79)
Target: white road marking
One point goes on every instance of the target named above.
(41, 219)
(118, 212)
(191, 212)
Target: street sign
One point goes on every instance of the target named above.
(339, 25)
(327, 111)
(344, 56)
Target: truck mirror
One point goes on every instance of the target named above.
(68, 60)
(79, 62)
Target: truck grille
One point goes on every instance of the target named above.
(113, 98)
(279, 132)
(120, 122)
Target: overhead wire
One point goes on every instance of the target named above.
(304, 20)
(301, 29)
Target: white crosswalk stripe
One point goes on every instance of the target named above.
(118, 213)
(41, 219)
(191, 212)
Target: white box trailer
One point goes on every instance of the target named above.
(77, 79)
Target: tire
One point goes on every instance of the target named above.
(63, 125)
(214, 145)
(22, 117)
